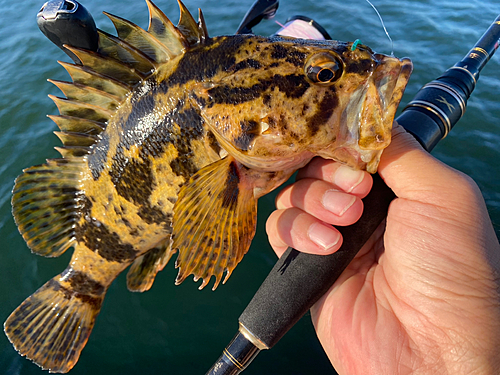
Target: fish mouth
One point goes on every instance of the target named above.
(371, 111)
(390, 77)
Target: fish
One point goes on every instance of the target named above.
(169, 138)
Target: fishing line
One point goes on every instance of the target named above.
(302, 27)
(383, 25)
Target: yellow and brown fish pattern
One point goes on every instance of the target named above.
(170, 137)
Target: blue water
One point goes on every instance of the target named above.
(180, 330)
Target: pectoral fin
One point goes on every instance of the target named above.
(214, 222)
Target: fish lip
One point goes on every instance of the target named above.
(390, 78)
(370, 113)
(400, 70)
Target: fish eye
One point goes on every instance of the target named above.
(324, 68)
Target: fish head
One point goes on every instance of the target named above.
(283, 101)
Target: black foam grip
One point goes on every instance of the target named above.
(298, 280)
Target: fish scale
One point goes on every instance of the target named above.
(170, 137)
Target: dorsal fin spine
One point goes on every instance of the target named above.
(77, 124)
(140, 39)
(187, 25)
(86, 76)
(76, 139)
(87, 94)
(202, 26)
(165, 31)
(79, 109)
(116, 48)
(107, 66)
(70, 152)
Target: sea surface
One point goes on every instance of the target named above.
(178, 329)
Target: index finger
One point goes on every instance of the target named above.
(343, 177)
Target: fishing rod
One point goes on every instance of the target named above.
(298, 279)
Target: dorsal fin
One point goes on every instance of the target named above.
(107, 76)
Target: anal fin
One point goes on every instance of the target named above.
(214, 221)
(142, 272)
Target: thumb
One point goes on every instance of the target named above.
(424, 182)
(412, 173)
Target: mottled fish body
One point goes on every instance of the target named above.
(170, 137)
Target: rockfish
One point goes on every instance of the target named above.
(170, 137)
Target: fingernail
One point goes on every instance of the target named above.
(347, 178)
(323, 236)
(337, 202)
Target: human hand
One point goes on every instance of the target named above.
(423, 295)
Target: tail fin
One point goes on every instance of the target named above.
(52, 326)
